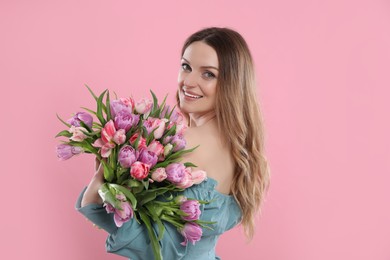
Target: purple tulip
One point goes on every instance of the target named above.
(179, 142)
(121, 105)
(148, 157)
(81, 116)
(127, 156)
(175, 172)
(167, 139)
(125, 120)
(109, 208)
(155, 124)
(65, 151)
(191, 232)
(191, 208)
(124, 214)
(177, 116)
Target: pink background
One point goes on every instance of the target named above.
(323, 70)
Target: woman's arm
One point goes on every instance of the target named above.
(91, 195)
(90, 203)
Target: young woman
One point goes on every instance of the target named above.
(217, 94)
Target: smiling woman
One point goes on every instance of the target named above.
(198, 81)
(217, 95)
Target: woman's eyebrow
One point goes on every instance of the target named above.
(204, 67)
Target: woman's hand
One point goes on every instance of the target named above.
(91, 194)
(99, 171)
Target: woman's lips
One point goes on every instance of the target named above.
(191, 94)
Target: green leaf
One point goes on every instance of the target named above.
(162, 164)
(171, 220)
(99, 112)
(171, 131)
(96, 125)
(85, 145)
(160, 108)
(146, 184)
(146, 197)
(153, 211)
(108, 108)
(134, 183)
(155, 102)
(180, 153)
(136, 142)
(65, 123)
(189, 164)
(153, 239)
(107, 196)
(64, 133)
(127, 193)
(85, 126)
(89, 110)
(90, 91)
(170, 114)
(108, 172)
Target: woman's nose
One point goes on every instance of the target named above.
(190, 80)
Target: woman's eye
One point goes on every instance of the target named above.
(185, 67)
(209, 75)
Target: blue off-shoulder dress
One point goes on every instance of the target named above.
(132, 241)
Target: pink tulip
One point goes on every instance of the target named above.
(198, 176)
(139, 170)
(159, 175)
(129, 102)
(141, 143)
(119, 136)
(156, 147)
(186, 181)
(181, 128)
(143, 106)
(108, 131)
(156, 124)
(109, 138)
(78, 135)
(167, 149)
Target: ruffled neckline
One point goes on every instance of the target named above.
(212, 183)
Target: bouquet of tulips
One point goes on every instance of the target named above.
(140, 145)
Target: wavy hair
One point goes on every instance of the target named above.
(238, 113)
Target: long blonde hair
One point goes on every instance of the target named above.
(238, 115)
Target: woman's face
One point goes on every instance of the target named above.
(198, 79)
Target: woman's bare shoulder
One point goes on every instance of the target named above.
(212, 155)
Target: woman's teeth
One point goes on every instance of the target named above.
(191, 96)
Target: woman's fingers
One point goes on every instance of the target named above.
(99, 169)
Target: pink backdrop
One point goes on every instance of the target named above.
(323, 69)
